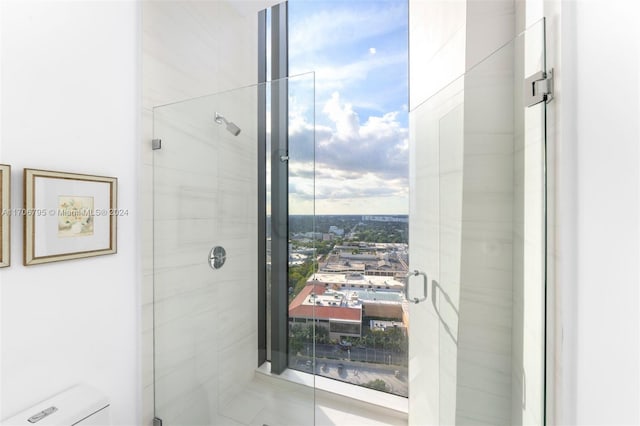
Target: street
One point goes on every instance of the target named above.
(372, 355)
(358, 373)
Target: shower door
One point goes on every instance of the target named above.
(205, 255)
(477, 333)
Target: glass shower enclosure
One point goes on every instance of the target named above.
(476, 303)
(206, 289)
(478, 231)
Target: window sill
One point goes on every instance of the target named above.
(336, 387)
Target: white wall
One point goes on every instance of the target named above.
(69, 99)
(596, 185)
(608, 217)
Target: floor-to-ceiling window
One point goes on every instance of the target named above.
(348, 252)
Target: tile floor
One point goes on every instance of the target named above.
(276, 402)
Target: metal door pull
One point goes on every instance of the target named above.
(415, 273)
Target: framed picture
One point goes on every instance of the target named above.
(5, 226)
(68, 216)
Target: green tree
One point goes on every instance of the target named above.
(296, 338)
(298, 277)
(303, 334)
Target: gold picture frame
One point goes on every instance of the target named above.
(68, 216)
(5, 226)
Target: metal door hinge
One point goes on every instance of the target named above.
(538, 88)
(156, 144)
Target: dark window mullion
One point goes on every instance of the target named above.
(279, 189)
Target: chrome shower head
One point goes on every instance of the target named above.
(231, 127)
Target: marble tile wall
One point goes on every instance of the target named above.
(446, 294)
(486, 285)
(437, 32)
(205, 195)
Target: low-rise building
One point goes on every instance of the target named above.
(381, 259)
(336, 311)
(382, 325)
(340, 302)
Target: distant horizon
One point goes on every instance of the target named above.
(351, 214)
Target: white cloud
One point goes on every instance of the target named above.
(380, 144)
(358, 167)
(344, 117)
(372, 50)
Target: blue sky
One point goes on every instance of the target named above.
(358, 51)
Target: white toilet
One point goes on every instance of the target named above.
(81, 405)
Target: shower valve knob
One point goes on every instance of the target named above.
(217, 257)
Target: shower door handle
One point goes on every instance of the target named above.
(424, 284)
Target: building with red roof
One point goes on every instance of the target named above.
(334, 310)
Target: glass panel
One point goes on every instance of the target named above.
(446, 290)
(478, 230)
(438, 118)
(530, 237)
(303, 237)
(205, 319)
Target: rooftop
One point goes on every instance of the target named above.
(357, 280)
(315, 301)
